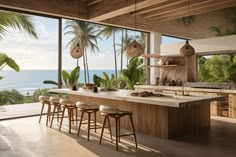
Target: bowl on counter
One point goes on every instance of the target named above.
(89, 86)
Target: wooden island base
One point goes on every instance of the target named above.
(161, 121)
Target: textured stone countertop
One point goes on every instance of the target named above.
(124, 95)
(188, 89)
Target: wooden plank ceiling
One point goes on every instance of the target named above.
(152, 15)
(157, 10)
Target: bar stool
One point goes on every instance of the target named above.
(57, 106)
(70, 106)
(45, 101)
(111, 111)
(89, 109)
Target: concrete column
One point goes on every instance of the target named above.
(155, 47)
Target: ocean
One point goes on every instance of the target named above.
(27, 81)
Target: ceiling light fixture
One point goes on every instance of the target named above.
(135, 49)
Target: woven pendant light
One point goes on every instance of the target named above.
(187, 50)
(76, 52)
(134, 49)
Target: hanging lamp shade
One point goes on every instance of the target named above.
(76, 52)
(134, 49)
(187, 50)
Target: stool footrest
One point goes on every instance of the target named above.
(125, 135)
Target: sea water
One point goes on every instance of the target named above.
(27, 81)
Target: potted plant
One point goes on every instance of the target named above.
(106, 83)
(70, 80)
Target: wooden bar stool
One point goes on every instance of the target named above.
(45, 101)
(89, 109)
(54, 101)
(111, 111)
(70, 106)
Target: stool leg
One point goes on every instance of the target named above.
(49, 112)
(80, 123)
(53, 113)
(132, 123)
(41, 113)
(89, 116)
(95, 121)
(69, 118)
(119, 129)
(62, 117)
(76, 116)
(109, 126)
(48, 115)
(103, 126)
(58, 108)
(72, 116)
(116, 121)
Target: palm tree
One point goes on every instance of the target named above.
(107, 32)
(16, 21)
(126, 41)
(85, 35)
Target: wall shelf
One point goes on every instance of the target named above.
(158, 56)
(163, 66)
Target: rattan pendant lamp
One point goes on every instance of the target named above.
(187, 50)
(134, 49)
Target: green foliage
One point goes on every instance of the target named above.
(188, 20)
(11, 97)
(108, 84)
(16, 21)
(7, 61)
(134, 74)
(217, 68)
(69, 79)
(220, 30)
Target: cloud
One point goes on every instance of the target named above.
(31, 53)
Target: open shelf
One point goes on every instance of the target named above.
(158, 56)
(163, 66)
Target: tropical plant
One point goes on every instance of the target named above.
(108, 84)
(16, 21)
(220, 30)
(134, 74)
(126, 41)
(11, 97)
(85, 35)
(71, 80)
(7, 61)
(107, 32)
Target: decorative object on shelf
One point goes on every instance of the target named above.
(146, 94)
(135, 49)
(89, 86)
(187, 50)
(160, 62)
(76, 52)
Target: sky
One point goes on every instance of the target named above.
(41, 53)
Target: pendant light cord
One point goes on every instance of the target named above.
(135, 17)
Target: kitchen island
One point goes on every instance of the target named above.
(166, 116)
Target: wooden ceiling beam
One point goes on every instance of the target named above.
(93, 2)
(158, 6)
(177, 8)
(109, 9)
(196, 11)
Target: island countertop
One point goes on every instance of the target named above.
(167, 100)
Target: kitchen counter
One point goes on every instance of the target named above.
(168, 100)
(188, 89)
(166, 117)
